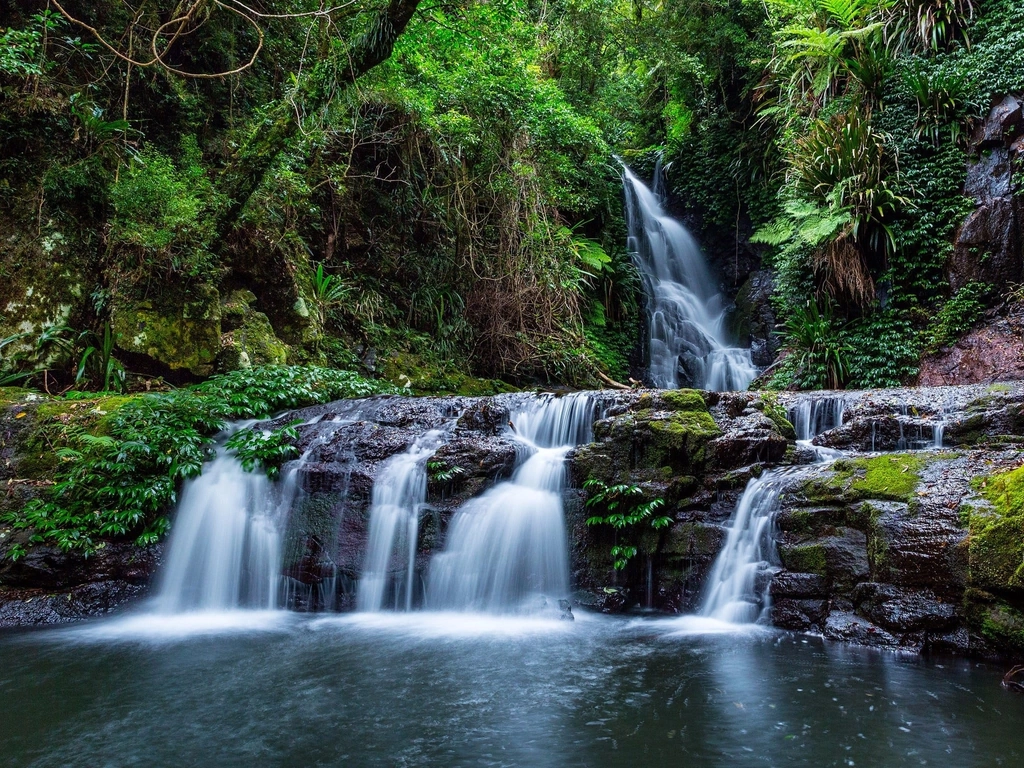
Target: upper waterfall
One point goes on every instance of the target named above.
(689, 344)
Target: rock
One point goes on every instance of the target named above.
(35, 608)
(787, 584)
(754, 318)
(1000, 120)
(902, 609)
(180, 331)
(566, 610)
(993, 351)
(798, 615)
(248, 338)
(850, 628)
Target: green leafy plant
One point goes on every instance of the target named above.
(328, 291)
(625, 507)
(265, 449)
(819, 352)
(442, 472)
(97, 363)
(123, 482)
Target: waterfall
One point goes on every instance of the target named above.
(689, 344)
(813, 415)
(225, 549)
(509, 545)
(399, 495)
(733, 593)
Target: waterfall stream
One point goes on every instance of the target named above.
(225, 550)
(399, 496)
(509, 545)
(689, 344)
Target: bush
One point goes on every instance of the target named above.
(122, 483)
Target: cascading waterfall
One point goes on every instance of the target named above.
(737, 589)
(224, 552)
(509, 545)
(399, 495)
(686, 312)
(813, 415)
(732, 593)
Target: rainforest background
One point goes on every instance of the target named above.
(428, 192)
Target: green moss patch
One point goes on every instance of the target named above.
(893, 477)
(997, 531)
(804, 558)
(684, 400)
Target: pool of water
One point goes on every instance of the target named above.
(462, 690)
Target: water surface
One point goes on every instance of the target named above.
(275, 689)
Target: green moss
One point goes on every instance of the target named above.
(999, 622)
(804, 558)
(684, 400)
(996, 544)
(893, 477)
(769, 404)
(184, 336)
(681, 436)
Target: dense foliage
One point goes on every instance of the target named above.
(431, 192)
(121, 477)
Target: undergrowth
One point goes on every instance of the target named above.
(123, 482)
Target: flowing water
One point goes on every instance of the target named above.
(507, 550)
(225, 550)
(689, 342)
(393, 689)
(399, 497)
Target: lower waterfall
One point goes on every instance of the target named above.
(225, 550)
(506, 551)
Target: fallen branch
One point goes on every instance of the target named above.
(611, 382)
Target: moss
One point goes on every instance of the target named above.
(804, 558)
(999, 622)
(55, 423)
(769, 405)
(996, 544)
(892, 477)
(681, 436)
(184, 336)
(684, 400)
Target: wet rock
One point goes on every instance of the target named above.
(28, 608)
(850, 628)
(798, 615)
(902, 609)
(787, 584)
(992, 352)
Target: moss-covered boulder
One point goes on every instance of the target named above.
(997, 533)
(180, 332)
(248, 338)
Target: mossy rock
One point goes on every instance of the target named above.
(249, 339)
(677, 438)
(182, 335)
(892, 477)
(684, 400)
(996, 620)
(768, 404)
(804, 558)
(996, 543)
(54, 426)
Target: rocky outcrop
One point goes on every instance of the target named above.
(988, 247)
(992, 352)
(883, 551)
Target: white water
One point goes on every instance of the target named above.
(813, 415)
(689, 344)
(399, 495)
(506, 550)
(737, 589)
(224, 552)
(732, 593)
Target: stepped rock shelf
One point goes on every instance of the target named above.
(912, 537)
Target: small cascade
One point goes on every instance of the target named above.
(225, 549)
(812, 416)
(509, 545)
(689, 344)
(736, 592)
(399, 496)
